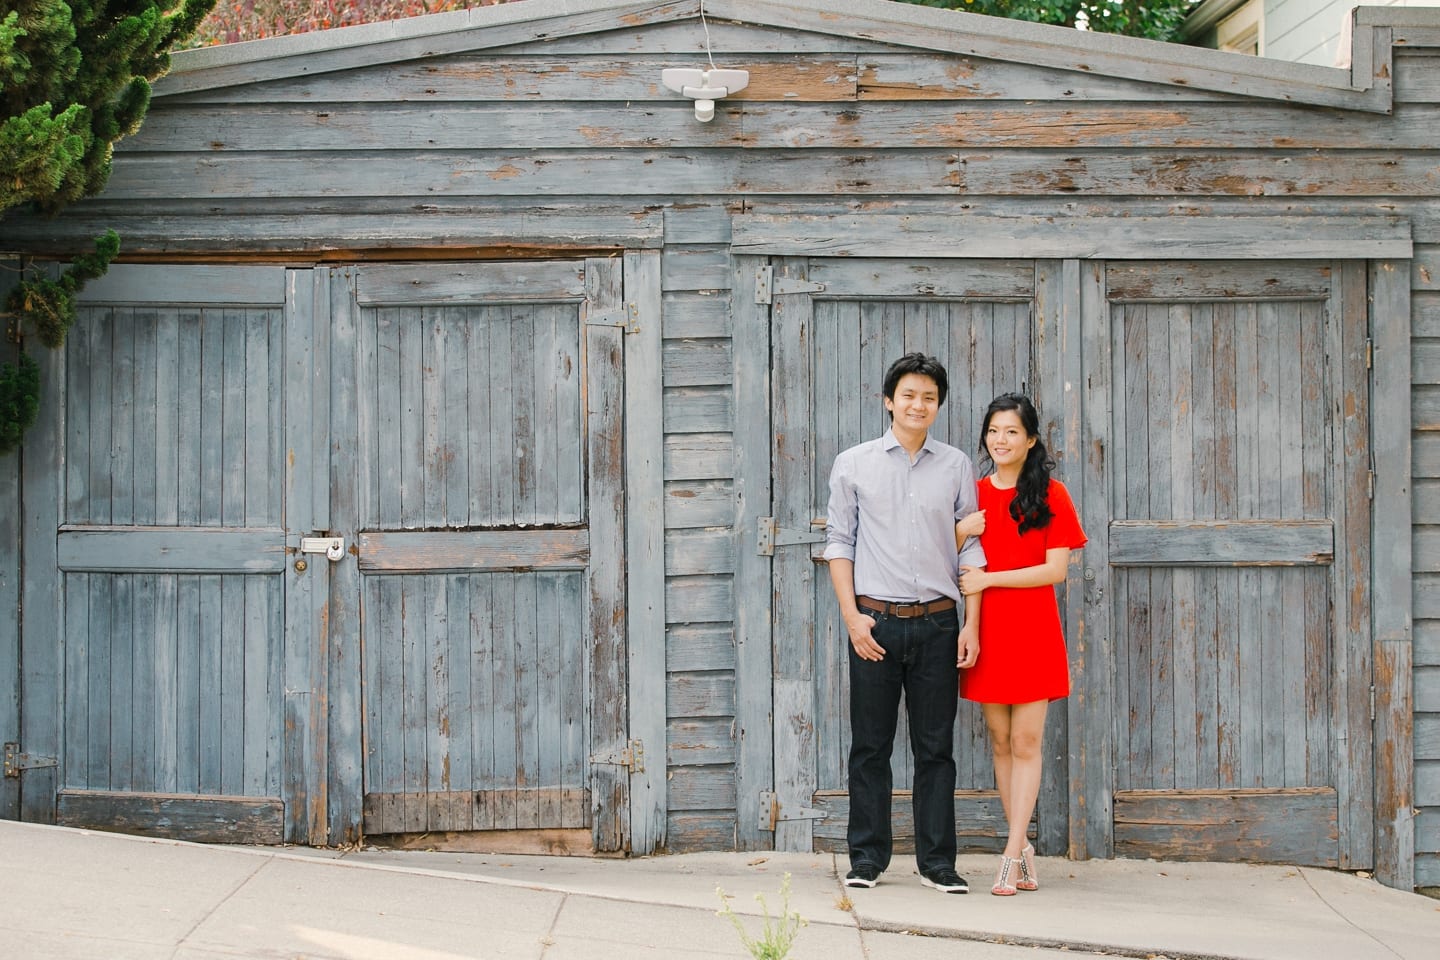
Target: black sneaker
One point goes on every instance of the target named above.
(945, 879)
(862, 875)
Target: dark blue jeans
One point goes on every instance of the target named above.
(920, 661)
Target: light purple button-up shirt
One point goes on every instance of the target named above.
(896, 519)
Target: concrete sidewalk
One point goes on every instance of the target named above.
(71, 894)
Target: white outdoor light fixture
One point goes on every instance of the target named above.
(704, 86)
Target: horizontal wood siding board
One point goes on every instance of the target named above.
(1297, 826)
(425, 225)
(697, 362)
(469, 283)
(539, 80)
(1426, 591)
(699, 552)
(826, 172)
(699, 456)
(1427, 690)
(979, 821)
(694, 695)
(699, 409)
(455, 225)
(891, 279)
(1079, 238)
(1427, 643)
(702, 503)
(651, 118)
(689, 313)
(700, 742)
(692, 831)
(171, 549)
(1427, 783)
(1164, 281)
(691, 647)
(1427, 736)
(396, 552)
(1248, 543)
(207, 819)
(229, 286)
(695, 267)
(702, 788)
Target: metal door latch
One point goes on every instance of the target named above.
(332, 547)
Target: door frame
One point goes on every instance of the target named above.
(1081, 245)
(621, 321)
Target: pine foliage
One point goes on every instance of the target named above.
(74, 78)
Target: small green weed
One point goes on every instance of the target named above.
(776, 935)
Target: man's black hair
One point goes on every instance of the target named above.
(919, 363)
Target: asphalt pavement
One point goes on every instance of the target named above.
(68, 894)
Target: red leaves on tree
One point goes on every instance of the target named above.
(235, 20)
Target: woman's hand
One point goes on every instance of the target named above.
(973, 580)
(971, 526)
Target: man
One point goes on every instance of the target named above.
(890, 544)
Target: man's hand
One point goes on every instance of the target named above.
(861, 639)
(967, 647)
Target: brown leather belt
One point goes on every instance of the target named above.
(905, 611)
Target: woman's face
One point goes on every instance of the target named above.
(1006, 440)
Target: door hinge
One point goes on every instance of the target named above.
(627, 318)
(1369, 354)
(768, 286)
(772, 811)
(769, 535)
(631, 757)
(1370, 484)
(15, 761)
(1372, 701)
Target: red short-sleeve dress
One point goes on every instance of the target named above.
(1022, 648)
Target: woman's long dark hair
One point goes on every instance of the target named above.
(1030, 508)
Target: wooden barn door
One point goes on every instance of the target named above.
(1234, 429)
(188, 646)
(836, 325)
(486, 489)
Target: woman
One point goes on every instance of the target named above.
(1028, 526)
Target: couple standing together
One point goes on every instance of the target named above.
(910, 537)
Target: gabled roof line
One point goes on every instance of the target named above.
(883, 21)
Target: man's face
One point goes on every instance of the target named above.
(916, 402)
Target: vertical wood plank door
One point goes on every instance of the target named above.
(830, 345)
(1236, 451)
(489, 462)
(171, 554)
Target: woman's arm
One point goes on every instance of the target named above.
(1057, 560)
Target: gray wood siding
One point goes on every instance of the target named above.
(1425, 352)
(457, 143)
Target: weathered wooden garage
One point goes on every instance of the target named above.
(447, 455)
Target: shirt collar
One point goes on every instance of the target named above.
(889, 442)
